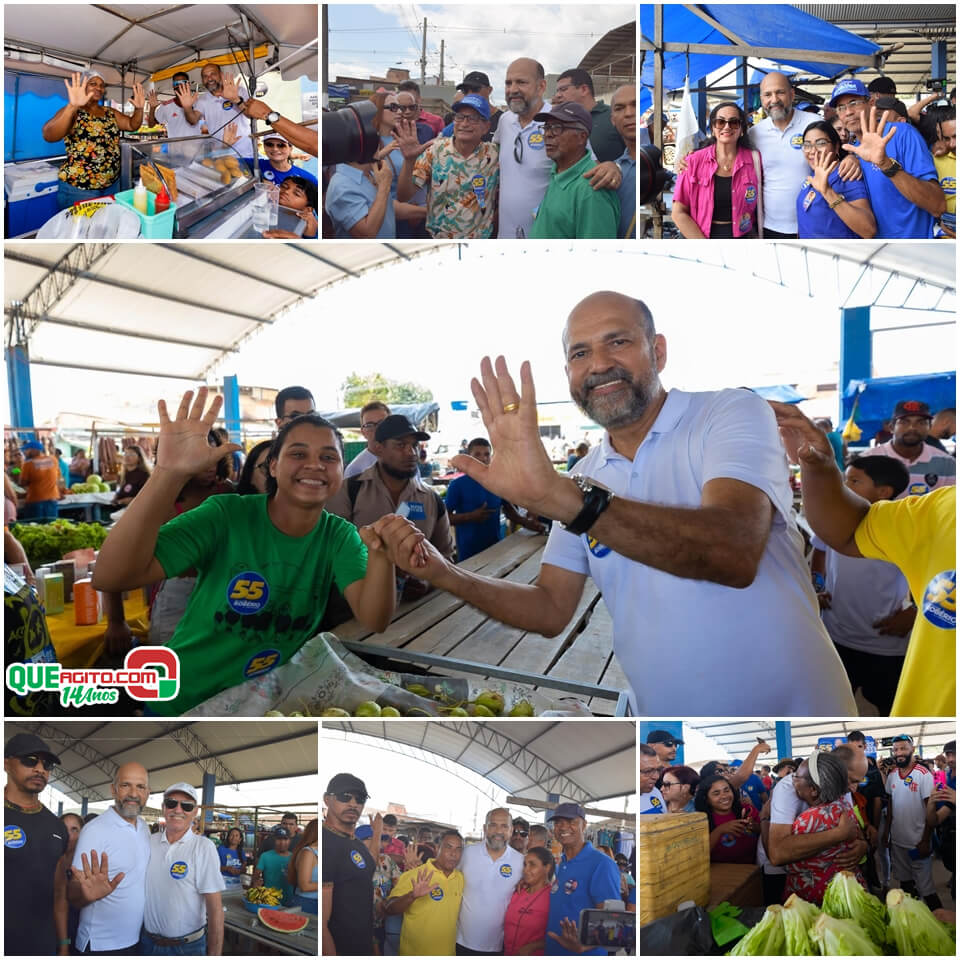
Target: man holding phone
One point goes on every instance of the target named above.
(172, 114)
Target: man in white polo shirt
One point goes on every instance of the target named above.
(683, 516)
(184, 911)
(490, 871)
(111, 913)
(648, 773)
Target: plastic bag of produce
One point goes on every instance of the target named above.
(846, 899)
(798, 917)
(842, 938)
(915, 931)
(766, 939)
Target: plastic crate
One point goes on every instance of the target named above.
(153, 226)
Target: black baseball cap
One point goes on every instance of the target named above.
(950, 747)
(24, 744)
(891, 103)
(282, 832)
(475, 78)
(569, 114)
(912, 408)
(397, 425)
(662, 736)
(347, 783)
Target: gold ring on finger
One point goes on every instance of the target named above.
(511, 407)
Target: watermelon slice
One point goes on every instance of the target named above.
(282, 921)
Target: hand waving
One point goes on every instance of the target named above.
(77, 91)
(873, 145)
(405, 134)
(153, 99)
(94, 879)
(183, 447)
(185, 96)
(823, 166)
(230, 88)
(138, 98)
(422, 882)
(804, 441)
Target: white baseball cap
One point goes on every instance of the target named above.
(183, 788)
(275, 136)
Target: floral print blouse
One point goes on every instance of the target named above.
(93, 151)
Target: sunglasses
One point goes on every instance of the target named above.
(733, 123)
(521, 833)
(360, 798)
(392, 107)
(671, 743)
(32, 759)
(185, 805)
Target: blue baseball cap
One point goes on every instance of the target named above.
(32, 445)
(851, 86)
(477, 102)
(363, 832)
(567, 811)
(736, 763)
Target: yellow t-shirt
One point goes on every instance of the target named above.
(946, 167)
(918, 534)
(430, 922)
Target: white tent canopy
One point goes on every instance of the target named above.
(94, 306)
(581, 760)
(739, 737)
(235, 751)
(132, 41)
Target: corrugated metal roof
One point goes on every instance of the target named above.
(614, 53)
(882, 13)
(173, 752)
(582, 760)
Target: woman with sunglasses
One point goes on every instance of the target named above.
(733, 827)
(265, 563)
(829, 207)
(822, 783)
(412, 215)
(678, 788)
(718, 193)
(232, 865)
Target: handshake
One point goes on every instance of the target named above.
(403, 544)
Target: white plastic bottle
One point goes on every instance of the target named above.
(140, 197)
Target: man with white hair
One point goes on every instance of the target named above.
(183, 913)
(490, 871)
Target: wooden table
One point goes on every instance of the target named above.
(82, 646)
(241, 925)
(442, 626)
(739, 883)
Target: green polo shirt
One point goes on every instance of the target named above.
(572, 209)
(606, 142)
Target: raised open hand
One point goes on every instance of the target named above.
(183, 446)
(185, 96)
(804, 441)
(423, 882)
(138, 99)
(153, 99)
(77, 91)
(229, 87)
(405, 134)
(823, 165)
(94, 878)
(872, 147)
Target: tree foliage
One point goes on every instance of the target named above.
(359, 389)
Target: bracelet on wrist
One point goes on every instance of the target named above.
(836, 203)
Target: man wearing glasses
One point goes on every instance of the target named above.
(184, 911)
(905, 193)
(348, 868)
(478, 83)
(461, 173)
(648, 774)
(519, 835)
(665, 744)
(111, 910)
(571, 208)
(371, 416)
(576, 86)
(292, 402)
(34, 842)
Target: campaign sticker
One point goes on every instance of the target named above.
(808, 199)
(745, 222)
(751, 193)
(917, 489)
(414, 510)
(14, 837)
(596, 547)
(261, 663)
(227, 104)
(268, 175)
(796, 141)
(535, 140)
(248, 592)
(569, 886)
(357, 857)
(479, 187)
(506, 870)
(655, 802)
(940, 600)
(436, 893)
(178, 870)
(930, 479)
(728, 840)
(907, 781)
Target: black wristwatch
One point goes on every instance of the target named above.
(892, 170)
(596, 499)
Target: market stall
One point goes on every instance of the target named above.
(245, 934)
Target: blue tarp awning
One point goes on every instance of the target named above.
(881, 394)
(783, 393)
(773, 25)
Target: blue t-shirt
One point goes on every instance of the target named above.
(896, 216)
(815, 219)
(463, 495)
(627, 192)
(753, 788)
(278, 176)
(229, 858)
(588, 879)
(350, 195)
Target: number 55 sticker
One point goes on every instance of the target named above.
(248, 592)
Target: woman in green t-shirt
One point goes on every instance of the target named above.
(264, 563)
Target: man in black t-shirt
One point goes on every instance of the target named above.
(347, 871)
(34, 843)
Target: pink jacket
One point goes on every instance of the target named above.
(695, 189)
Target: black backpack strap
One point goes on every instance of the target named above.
(353, 488)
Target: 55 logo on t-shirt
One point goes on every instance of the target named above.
(248, 592)
(940, 600)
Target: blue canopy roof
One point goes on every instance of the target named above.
(881, 394)
(759, 25)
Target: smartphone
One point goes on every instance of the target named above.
(612, 929)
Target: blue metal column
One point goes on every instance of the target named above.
(701, 105)
(18, 388)
(784, 741)
(60, 808)
(83, 807)
(209, 780)
(856, 353)
(674, 727)
(231, 408)
(553, 798)
(742, 78)
(938, 60)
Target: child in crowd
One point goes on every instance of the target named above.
(300, 195)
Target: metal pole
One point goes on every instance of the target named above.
(209, 783)
(231, 407)
(423, 55)
(324, 55)
(441, 62)
(784, 741)
(658, 97)
(856, 348)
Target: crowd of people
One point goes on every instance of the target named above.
(558, 168)
(868, 166)
(885, 819)
(520, 889)
(110, 884)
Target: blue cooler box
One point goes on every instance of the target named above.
(30, 191)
